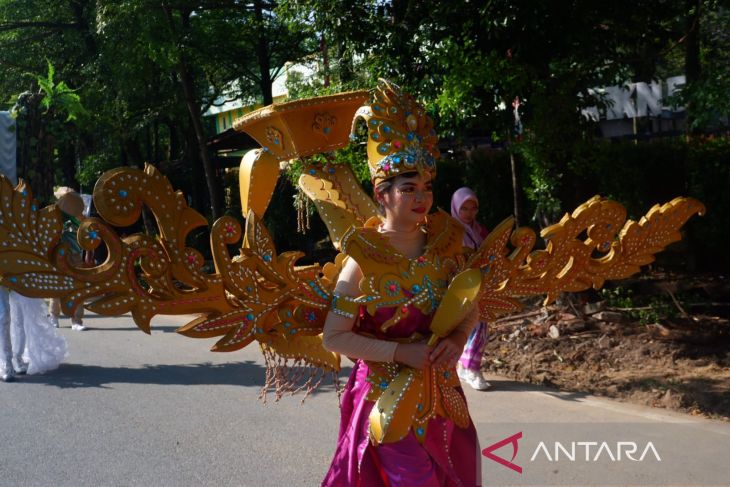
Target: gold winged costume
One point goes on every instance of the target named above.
(264, 296)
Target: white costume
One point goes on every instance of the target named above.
(28, 341)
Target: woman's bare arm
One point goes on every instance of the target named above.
(338, 334)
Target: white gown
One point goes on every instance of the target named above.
(45, 348)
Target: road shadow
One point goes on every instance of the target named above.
(163, 329)
(506, 385)
(245, 374)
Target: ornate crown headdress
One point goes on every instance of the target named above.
(401, 137)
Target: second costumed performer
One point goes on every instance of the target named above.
(397, 270)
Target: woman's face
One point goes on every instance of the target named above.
(468, 211)
(408, 200)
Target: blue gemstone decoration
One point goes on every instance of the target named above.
(331, 170)
(249, 317)
(288, 314)
(326, 130)
(70, 303)
(267, 258)
(410, 159)
(447, 374)
(374, 123)
(396, 160)
(287, 325)
(265, 149)
(377, 108)
(419, 407)
(312, 172)
(376, 137)
(416, 289)
(61, 252)
(383, 384)
(33, 207)
(410, 136)
(491, 257)
(292, 331)
(485, 269)
(276, 141)
(386, 129)
(123, 193)
(13, 279)
(609, 226)
(93, 234)
(259, 330)
(419, 431)
(24, 193)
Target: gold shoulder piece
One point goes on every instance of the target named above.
(366, 244)
(445, 235)
(339, 199)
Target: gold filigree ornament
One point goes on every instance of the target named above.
(612, 249)
(257, 295)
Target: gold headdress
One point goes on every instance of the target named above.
(401, 137)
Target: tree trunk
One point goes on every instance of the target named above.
(263, 57)
(195, 116)
(325, 62)
(188, 86)
(67, 161)
(517, 211)
(692, 67)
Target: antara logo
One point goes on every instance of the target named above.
(593, 451)
(487, 452)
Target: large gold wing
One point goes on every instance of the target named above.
(142, 275)
(257, 295)
(592, 244)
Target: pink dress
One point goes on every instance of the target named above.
(448, 457)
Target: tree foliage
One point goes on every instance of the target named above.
(145, 71)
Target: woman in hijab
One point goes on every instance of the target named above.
(464, 207)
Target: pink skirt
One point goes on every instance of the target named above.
(448, 457)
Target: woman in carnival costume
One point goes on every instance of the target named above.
(397, 270)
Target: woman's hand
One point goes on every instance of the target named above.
(413, 355)
(448, 350)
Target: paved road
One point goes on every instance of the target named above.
(128, 409)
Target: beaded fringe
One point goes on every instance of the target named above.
(291, 376)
